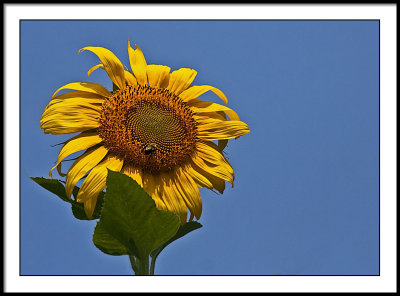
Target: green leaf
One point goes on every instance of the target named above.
(182, 231)
(56, 187)
(53, 186)
(129, 216)
(185, 229)
(107, 243)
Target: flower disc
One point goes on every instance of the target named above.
(148, 127)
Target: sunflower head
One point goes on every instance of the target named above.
(152, 128)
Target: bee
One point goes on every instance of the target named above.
(150, 148)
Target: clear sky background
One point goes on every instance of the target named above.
(306, 194)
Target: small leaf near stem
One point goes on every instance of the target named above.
(182, 231)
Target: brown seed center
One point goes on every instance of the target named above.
(148, 127)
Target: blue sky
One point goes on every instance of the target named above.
(306, 194)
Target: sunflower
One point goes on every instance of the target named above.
(151, 127)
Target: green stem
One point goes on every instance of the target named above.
(145, 266)
(134, 266)
(140, 266)
(153, 257)
(152, 265)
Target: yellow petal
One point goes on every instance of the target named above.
(86, 87)
(71, 113)
(138, 63)
(200, 179)
(134, 173)
(77, 143)
(181, 79)
(94, 68)
(74, 104)
(217, 182)
(211, 129)
(82, 165)
(76, 95)
(222, 143)
(221, 171)
(151, 184)
(95, 182)
(62, 129)
(69, 121)
(197, 90)
(204, 116)
(130, 79)
(172, 197)
(92, 102)
(89, 207)
(158, 75)
(208, 152)
(198, 106)
(112, 65)
(189, 192)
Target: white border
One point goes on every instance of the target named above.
(386, 282)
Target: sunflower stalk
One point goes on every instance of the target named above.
(141, 267)
(153, 257)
